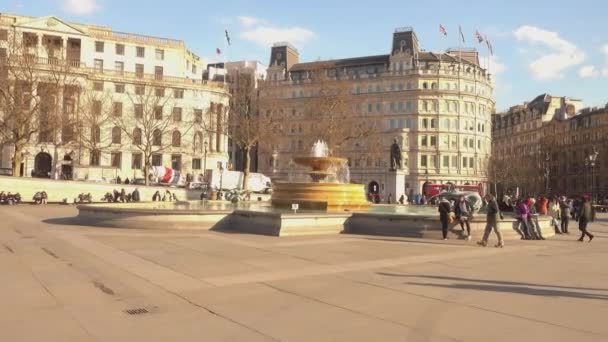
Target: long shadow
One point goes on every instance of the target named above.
(418, 241)
(492, 282)
(517, 290)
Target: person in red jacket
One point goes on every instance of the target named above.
(542, 205)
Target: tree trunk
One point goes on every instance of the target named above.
(146, 169)
(246, 171)
(17, 159)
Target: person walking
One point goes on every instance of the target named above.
(522, 220)
(565, 210)
(444, 216)
(535, 229)
(542, 205)
(584, 217)
(492, 222)
(464, 213)
(555, 213)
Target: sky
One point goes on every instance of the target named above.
(558, 47)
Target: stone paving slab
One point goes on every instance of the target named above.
(73, 283)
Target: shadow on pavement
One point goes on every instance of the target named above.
(506, 286)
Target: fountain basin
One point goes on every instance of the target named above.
(320, 163)
(320, 196)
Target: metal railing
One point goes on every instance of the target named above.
(135, 38)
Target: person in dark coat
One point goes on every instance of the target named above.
(492, 219)
(116, 196)
(464, 213)
(584, 217)
(135, 195)
(565, 210)
(156, 197)
(444, 215)
(123, 195)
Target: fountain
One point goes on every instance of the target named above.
(328, 187)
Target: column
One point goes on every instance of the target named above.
(64, 48)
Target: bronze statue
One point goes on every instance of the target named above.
(395, 156)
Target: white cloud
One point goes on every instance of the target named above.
(605, 68)
(559, 56)
(588, 71)
(81, 7)
(265, 35)
(496, 66)
(248, 21)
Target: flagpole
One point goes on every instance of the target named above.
(459, 57)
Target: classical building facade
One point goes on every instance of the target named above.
(122, 68)
(517, 140)
(576, 149)
(437, 106)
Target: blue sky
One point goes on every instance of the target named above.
(559, 47)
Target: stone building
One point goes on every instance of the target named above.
(121, 66)
(517, 136)
(437, 105)
(576, 147)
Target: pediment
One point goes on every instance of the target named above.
(52, 24)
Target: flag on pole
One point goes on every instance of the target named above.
(489, 45)
(442, 30)
(479, 37)
(461, 34)
(227, 37)
(218, 51)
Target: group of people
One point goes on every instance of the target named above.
(167, 197)
(40, 197)
(122, 196)
(9, 198)
(560, 209)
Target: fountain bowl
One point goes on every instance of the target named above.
(320, 163)
(320, 196)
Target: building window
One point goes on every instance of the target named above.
(119, 67)
(119, 88)
(464, 162)
(198, 116)
(116, 159)
(138, 110)
(178, 93)
(160, 54)
(95, 158)
(98, 86)
(157, 137)
(424, 161)
(159, 92)
(117, 109)
(139, 70)
(425, 123)
(177, 114)
(370, 108)
(176, 161)
(116, 135)
(136, 161)
(446, 161)
(140, 51)
(3, 35)
(140, 89)
(196, 163)
(424, 140)
(471, 162)
(194, 68)
(454, 161)
(158, 112)
(433, 141)
(158, 72)
(98, 64)
(99, 46)
(136, 136)
(157, 160)
(433, 123)
(120, 49)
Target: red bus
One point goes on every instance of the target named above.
(430, 189)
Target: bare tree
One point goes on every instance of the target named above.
(93, 115)
(31, 92)
(153, 128)
(250, 119)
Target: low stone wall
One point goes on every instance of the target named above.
(58, 190)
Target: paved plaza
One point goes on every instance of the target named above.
(62, 282)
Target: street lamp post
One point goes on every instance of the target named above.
(205, 144)
(219, 194)
(275, 155)
(592, 161)
(547, 172)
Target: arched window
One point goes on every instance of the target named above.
(136, 136)
(95, 134)
(425, 85)
(433, 85)
(116, 135)
(176, 139)
(157, 137)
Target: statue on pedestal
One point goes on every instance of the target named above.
(395, 156)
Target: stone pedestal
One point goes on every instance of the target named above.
(395, 184)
